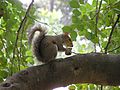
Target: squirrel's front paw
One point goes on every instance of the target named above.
(68, 51)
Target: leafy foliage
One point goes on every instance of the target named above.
(12, 61)
(95, 21)
(90, 30)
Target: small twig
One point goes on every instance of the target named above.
(38, 20)
(107, 8)
(114, 49)
(110, 36)
(100, 5)
(41, 22)
(97, 17)
(97, 14)
(96, 21)
(20, 27)
(100, 47)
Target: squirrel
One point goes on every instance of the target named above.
(45, 47)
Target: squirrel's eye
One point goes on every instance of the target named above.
(69, 39)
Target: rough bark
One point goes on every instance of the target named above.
(85, 68)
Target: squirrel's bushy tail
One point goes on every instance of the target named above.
(35, 35)
(31, 33)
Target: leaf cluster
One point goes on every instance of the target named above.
(95, 21)
(12, 58)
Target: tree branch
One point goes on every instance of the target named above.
(85, 68)
(114, 49)
(110, 36)
(18, 32)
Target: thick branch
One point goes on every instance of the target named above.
(87, 68)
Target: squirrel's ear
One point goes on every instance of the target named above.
(66, 33)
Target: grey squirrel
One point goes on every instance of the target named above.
(45, 47)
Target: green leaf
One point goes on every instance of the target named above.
(10, 36)
(80, 26)
(88, 7)
(88, 35)
(94, 3)
(108, 19)
(30, 60)
(91, 25)
(85, 17)
(92, 37)
(117, 10)
(67, 29)
(72, 87)
(104, 43)
(3, 73)
(28, 53)
(110, 1)
(95, 39)
(1, 79)
(92, 87)
(117, 5)
(82, 33)
(75, 19)
(83, 9)
(74, 4)
(76, 12)
(3, 61)
(81, 1)
(73, 26)
(1, 44)
(73, 35)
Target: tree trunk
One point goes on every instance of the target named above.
(83, 68)
(51, 5)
